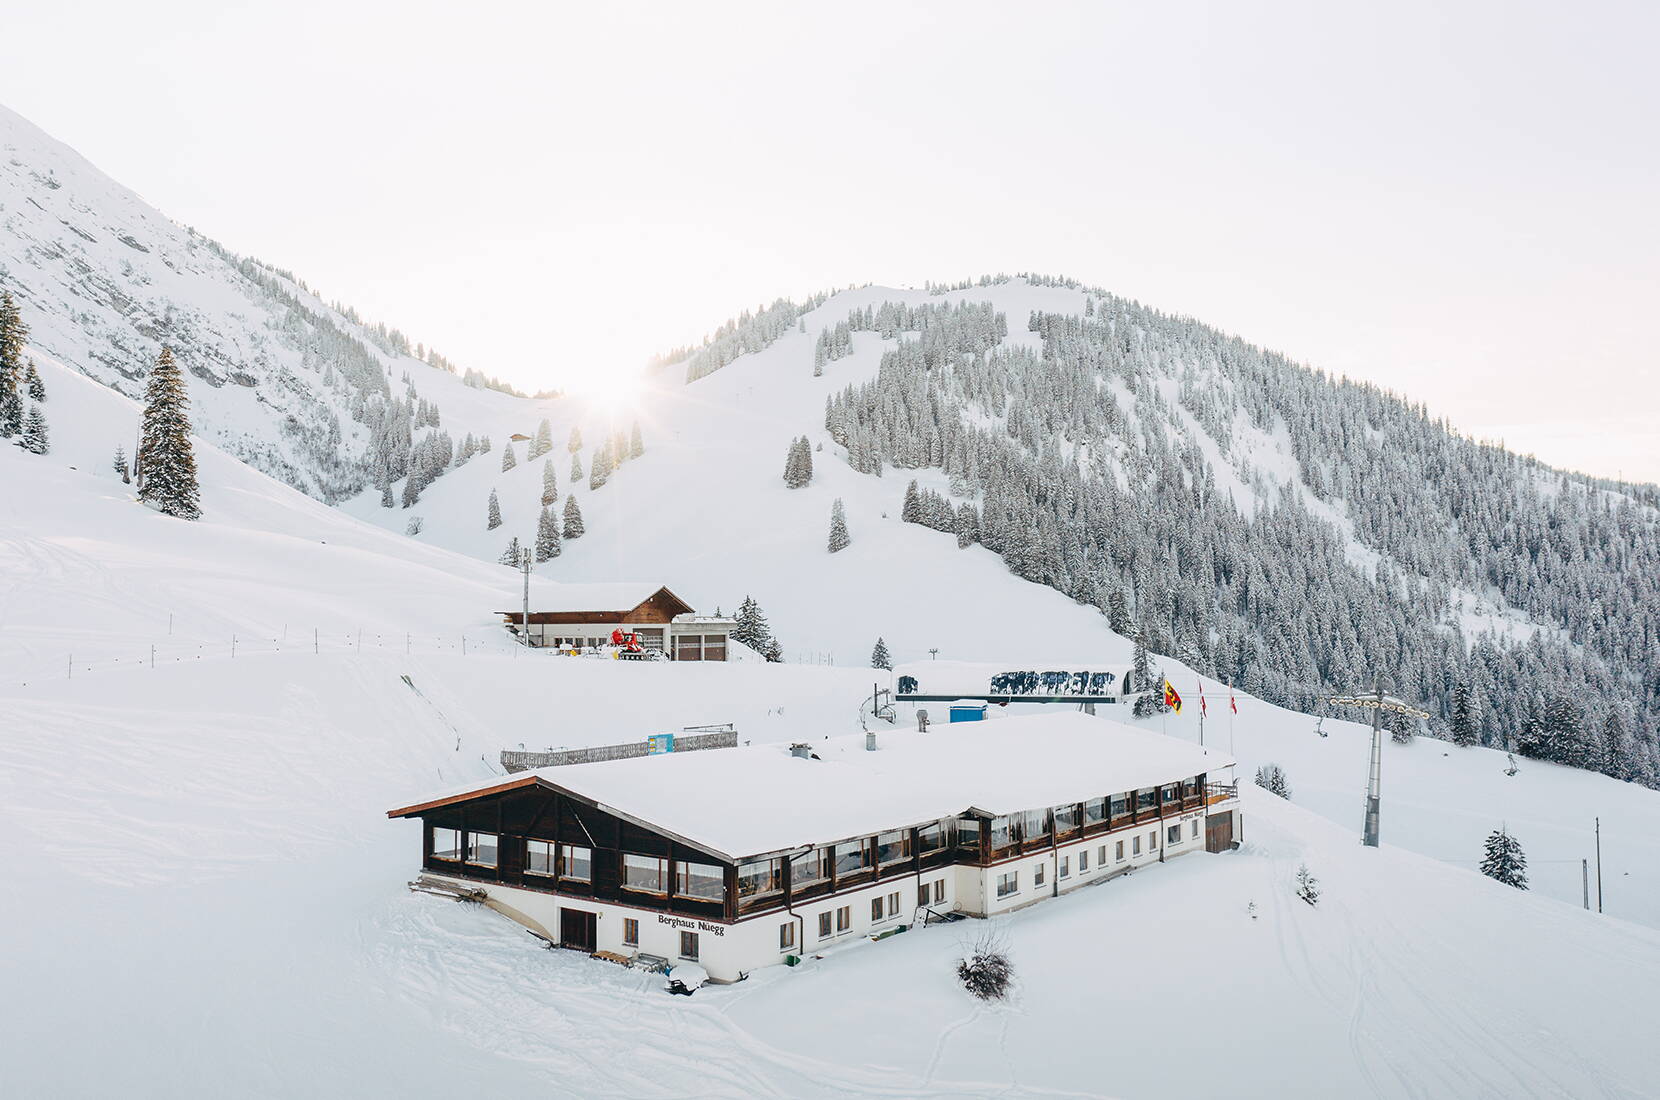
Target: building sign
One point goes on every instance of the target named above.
(659, 743)
(699, 925)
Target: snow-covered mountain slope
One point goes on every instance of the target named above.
(104, 280)
(204, 879)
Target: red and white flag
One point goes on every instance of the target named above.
(1232, 704)
(1203, 709)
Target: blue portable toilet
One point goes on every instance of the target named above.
(966, 711)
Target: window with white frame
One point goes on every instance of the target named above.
(1173, 835)
(688, 946)
(1040, 874)
(893, 904)
(631, 932)
(647, 874)
(446, 844)
(541, 857)
(1135, 845)
(1153, 841)
(875, 909)
(1008, 883)
(824, 931)
(1065, 867)
(939, 891)
(481, 849)
(786, 935)
(703, 881)
(576, 863)
(844, 918)
(1118, 853)
(1195, 835)
(1083, 860)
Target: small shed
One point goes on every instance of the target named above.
(966, 710)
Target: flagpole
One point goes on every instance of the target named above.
(1201, 712)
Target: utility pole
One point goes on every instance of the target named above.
(1585, 881)
(1599, 864)
(524, 624)
(1377, 700)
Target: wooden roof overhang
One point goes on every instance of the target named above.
(524, 782)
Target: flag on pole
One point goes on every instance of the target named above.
(1171, 699)
(1203, 708)
(1232, 705)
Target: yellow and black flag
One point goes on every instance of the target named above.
(1171, 699)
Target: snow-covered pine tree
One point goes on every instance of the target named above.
(636, 446)
(774, 652)
(1463, 716)
(576, 470)
(166, 462)
(547, 536)
(411, 490)
(839, 538)
(911, 511)
(1308, 887)
(13, 334)
(543, 443)
(968, 526)
(550, 484)
(804, 466)
(513, 555)
(493, 519)
(1401, 728)
(880, 657)
(386, 500)
(484, 445)
(573, 517)
(1118, 612)
(1141, 667)
(752, 628)
(1272, 778)
(600, 471)
(33, 383)
(1504, 860)
(35, 439)
(507, 459)
(120, 466)
(797, 464)
(574, 444)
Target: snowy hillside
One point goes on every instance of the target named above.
(279, 378)
(203, 865)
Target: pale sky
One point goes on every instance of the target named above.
(1463, 206)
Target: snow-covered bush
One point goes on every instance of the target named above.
(1504, 860)
(985, 970)
(1308, 887)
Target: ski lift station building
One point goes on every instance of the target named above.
(753, 856)
(582, 616)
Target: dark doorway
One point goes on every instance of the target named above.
(577, 928)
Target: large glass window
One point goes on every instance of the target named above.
(1034, 826)
(968, 837)
(1002, 833)
(809, 867)
(645, 873)
(931, 838)
(704, 881)
(760, 879)
(714, 647)
(540, 857)
(1095, 811)
(1147, 799)
(576, 863)
(1066, 820)
(446, 844)
(481, 849)
(852, 857)
(1120, 805)
(893, 847)
(1173, 793)
(1173, 835)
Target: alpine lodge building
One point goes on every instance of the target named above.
(746, 857)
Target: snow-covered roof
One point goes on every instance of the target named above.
(759, 799)
(606, 596)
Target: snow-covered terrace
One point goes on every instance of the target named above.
(759, 800)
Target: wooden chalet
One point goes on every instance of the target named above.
(585, 615)
(747, 857)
